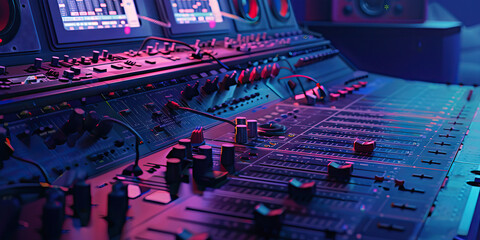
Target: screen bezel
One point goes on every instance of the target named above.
(195, 28)
(63, 36)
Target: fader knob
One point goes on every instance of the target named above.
(266, 72)
(188, 146)
(227, 157)
(364, 146)
(228, 81)
(301, 191)
(243, 78)
(190, 91)
(339, 171)
(268, 221)
(184, 234)
(241, 134)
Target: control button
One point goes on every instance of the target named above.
(149, 106)
(379, 178)
(125, 112)
(25, 114)
(210, 86)
(342, 93)
(275, 70)
(201, 168)
(228, 81)
(334, 96)
(149, 87)
(364, 146)
(244, 77)
(268, 221)
(117, 66)
(100, 69)
(266, 72)
(104, 54)
(340, 171)
(189, 92)
(68, 74)
(173, 175)
(76, 70)
(48, 109)
(197, 136)
(91, 120)
(363, 83)
(349, 89)
(53, 215)
(241, 135)
(184, 234)
(3, 70)
(301, 191)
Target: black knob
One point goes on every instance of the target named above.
(82, 202)
(173, 175)
(268, 221)
(188, 145)
(201, 168)
(75, 122)
(228, 81)
(340, 171)
(210, 86)
(227, 158)
(178, 151)
(117, 209)
(102, 129)
(53, 215)
(10, 208)
(190, 91)
(91, 120)
(301, 191)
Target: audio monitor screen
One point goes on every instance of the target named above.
(196, 11)
(98, 14)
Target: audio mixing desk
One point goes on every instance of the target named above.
(222, 129)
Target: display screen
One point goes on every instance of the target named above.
(98, 14)
(196, 11)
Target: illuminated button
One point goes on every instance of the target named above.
(149, 87)
(363, 84)
(111, 94)
(342, 93)
(357, 86)
(334, 96)
(349, 89)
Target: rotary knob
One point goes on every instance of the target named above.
(228, 81)
(210, 86)
(227, 157)
(190, 91)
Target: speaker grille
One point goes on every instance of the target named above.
(9, 20)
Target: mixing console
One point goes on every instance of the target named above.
(264, 133)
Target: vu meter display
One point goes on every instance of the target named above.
(196, 11)
(98, 14)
